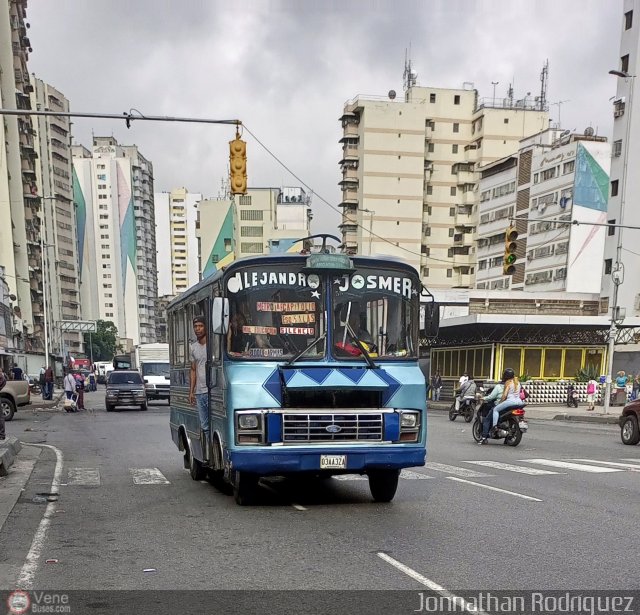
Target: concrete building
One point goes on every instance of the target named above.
(20, 254)
(113, 192)
(176, 216)
(265, 220)
(555, 176)
(625, 182)
(54, 176)
(409, 173)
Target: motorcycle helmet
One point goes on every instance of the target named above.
(508, 374)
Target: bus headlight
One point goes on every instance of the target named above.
(248, 421)
(409, 426)
(409, 420)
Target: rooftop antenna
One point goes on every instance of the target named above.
(409, 77)
(544, 81)
(510, 95)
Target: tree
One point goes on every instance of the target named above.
(104, 342)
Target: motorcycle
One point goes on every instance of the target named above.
(511, 424)
(467, 409)
(572, 398)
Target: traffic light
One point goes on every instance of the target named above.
(510, 247)
(238, 165)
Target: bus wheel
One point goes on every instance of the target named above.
(216, 475)
(383, 484)
(245, 488)
(196, 471)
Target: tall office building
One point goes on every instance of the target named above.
(20, 254)
(54, 170)
(410, 172)
(113, 192)
(625, 182)
(176, 215)
(556, 176)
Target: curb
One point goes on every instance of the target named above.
(9, 449)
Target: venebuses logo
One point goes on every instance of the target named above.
(18, 602)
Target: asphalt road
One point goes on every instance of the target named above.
(130, 517)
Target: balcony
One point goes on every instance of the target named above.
(349, 153)
(351, 130)
(349, 196)
(467, 198)
(350, 173)
(470, 153)
(462, 280)
(465, 177)
(463, 239)
(464, 216)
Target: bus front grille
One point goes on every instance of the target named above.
(332, 427)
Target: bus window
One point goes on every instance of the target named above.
(179, 337)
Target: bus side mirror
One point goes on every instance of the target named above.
(429, 319)
(220, 315)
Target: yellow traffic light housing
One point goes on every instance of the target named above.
(510, 247)
(238, 165)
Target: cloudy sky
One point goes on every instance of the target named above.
(286, 68)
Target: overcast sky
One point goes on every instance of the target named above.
(286, 68)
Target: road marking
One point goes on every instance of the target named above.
(634, 467)
(455, 470)
(298, 507)
(517, 495)
(83, 476)
(349, 477)
(580, 467)
(498, 465)
(411, 475)
(452, 600)
(28, 571)
(631, 459)
(148, 476)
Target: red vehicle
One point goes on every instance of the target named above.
(77, 363)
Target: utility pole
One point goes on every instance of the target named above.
(494, 84)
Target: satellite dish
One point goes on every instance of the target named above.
(589, 131)
(392, 94)
(565, 133)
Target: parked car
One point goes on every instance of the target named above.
(14, 394)
(629, 420)
(125, 388)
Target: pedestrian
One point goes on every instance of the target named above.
(69, 385)
(463, 379)
(198, 390)
(3, 381)
(43, 371)
(621, 388)
(635, 391)
(80, 390)
(592, 389)
(48, 382)
(16, 372)
(436, 386)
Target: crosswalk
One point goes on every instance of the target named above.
(91, 477)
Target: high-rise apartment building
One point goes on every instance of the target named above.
(20, 254)
(176, 216)
(410, 172)
(555, 178)
(54, 176)
(625, 182)
(113, 192)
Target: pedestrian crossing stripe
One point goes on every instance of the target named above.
(455, 470)
(148, 476)
(498, 465)
(580, 467)
(634, 467)
(88, 477)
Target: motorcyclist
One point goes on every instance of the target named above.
(508, 391)
(467, 391)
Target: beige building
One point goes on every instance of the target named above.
(20, 255)
(54, 176)
(410, 172)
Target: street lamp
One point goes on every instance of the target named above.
(371, 213)
(617, 272)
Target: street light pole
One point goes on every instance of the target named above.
(617, 273)
(494, 84)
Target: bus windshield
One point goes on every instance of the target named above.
(380, 309)
(275, 312)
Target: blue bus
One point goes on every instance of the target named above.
(311, 367)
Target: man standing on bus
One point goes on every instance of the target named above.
(199, 393)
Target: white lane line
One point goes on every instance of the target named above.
(83, 476)
(350, 477)
(148, 476)
(30, 567)
(580, 467)
(498, 465)
(634, 467)
(513, 493)
(298, 507)
(453, 600)
(411, 475)
(455, 470)
(631, 459)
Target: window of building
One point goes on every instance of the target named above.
(624, 63)
(456, 127)
(552, 363)
(612, 229)
(536, 178)
(506, 120)
(628, 20)
(549, 173)
(614, 187)
(251, 231)
(449, 273)
(430, 147)
(429, 190)
(451, 232)
(251, 247)
(456, 99)
(101, 167)
(102, 177)
(432, 97)
(608, 265)
(568, 167)
(617, 148)
(452, 211)
(427, 232)
(453, 191)
(454, 148)
(245, 199)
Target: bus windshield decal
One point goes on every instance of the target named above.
(399, 285)
(255, 279)
(266, 306)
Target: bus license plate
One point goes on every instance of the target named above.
(333, 462)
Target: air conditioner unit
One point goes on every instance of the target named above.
(542, 207)
(530, 256)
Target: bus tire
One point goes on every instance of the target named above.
(216, 474)
(245, 488)
(383, 484)
(185, 448)
(196, 469)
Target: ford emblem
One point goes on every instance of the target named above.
(333, 428)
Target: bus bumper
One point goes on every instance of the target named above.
(290, 461)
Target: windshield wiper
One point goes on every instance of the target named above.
(307, 349)
(363, 350)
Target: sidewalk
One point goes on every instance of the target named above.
(37, 403)
(554, 413)
(9, 450)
